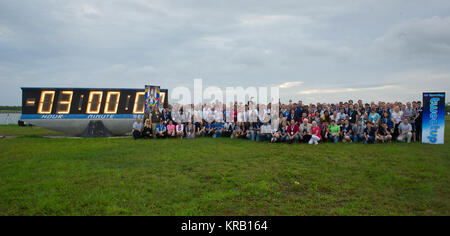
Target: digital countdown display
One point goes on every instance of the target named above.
(85, 101)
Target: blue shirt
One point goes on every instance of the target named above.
(387, 121)
(219, 125)
(209, 126)
(374, 117)
(161, 128)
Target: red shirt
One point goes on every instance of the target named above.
(293, 130)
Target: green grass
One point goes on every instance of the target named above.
(14, 130)
(10, 108)
(64, 176)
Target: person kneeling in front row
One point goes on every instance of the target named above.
(293, 132)
(137, 129)
(190, 130)
(315, 134)
(266, 132)
(147, 132)
(161, 130)
(370, 133)
(405, 131)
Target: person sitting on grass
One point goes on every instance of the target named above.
(315, 134)
(218, 129)
(236, 130)
(147, 132)
(388, 121)
(170, 129)
(370, 133)
(293, 132)
(227, 129)
(334, 131)
(274, 134)
(305, 130)
(190, 130)
(180, 130)
(250, 133)
(161, 129)
(347, 132)
(266, 132)
(210, 129)
(200, 129)
(282, 132)
(383, 135)
(404, 131)
(358, 132)
(137, 129)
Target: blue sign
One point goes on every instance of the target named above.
(433, 121)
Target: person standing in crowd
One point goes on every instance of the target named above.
(410, 114)
(315, 134)
(282, 118)
(358, 132)
(155, 116)
(405, 131)
(299, 110)
(316, 117)
(374, 117)
(147, 132)
(352, 115)
(341, 115)
(170, 129)
(418, 121)
(305, 131)
(388, 121)
(347, 132)
(293, 132)
(334, 116)
(396, 117)
(180, 130)
(325, 117)
(293, 116)
(166, 116)
(333, 131)
(137, 129)
(190, 130)
(161, 129)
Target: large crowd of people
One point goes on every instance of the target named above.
(346, 122)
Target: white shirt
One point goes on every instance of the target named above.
(137, 125)
(266, 129)
(397, 116)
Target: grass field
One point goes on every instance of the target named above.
(101, 176)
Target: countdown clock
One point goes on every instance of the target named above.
(75, 110)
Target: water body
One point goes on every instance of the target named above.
(9, 118)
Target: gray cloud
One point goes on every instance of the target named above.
(328, 45)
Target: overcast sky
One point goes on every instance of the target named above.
(315, 50)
